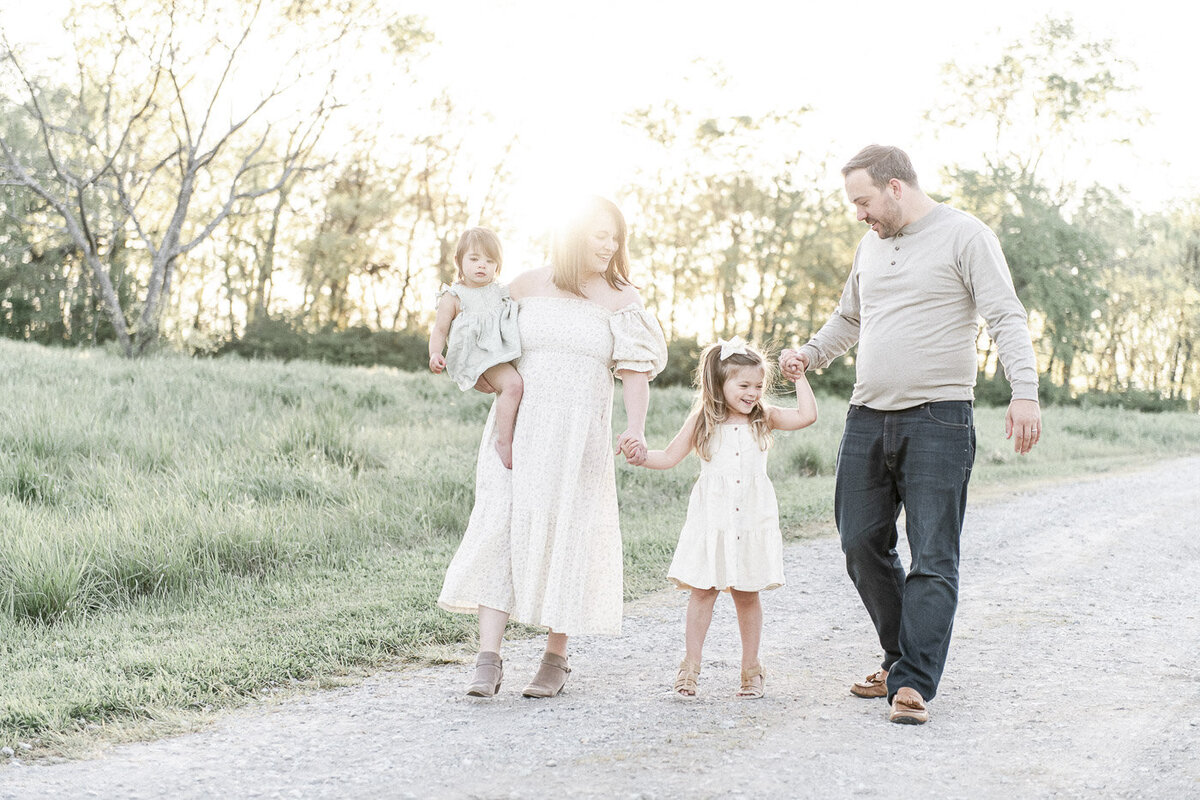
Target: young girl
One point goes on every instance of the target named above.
(731, 540)
(480, 321)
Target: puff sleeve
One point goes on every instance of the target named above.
(638, 343)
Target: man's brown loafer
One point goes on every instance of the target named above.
(874, 685)
(908, 707)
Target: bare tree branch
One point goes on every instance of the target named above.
(82, 241)
(229, 62)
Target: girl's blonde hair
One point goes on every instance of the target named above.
(711, 375)
(481, 240)
(571, 250)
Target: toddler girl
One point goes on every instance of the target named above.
(731, 540)
(480, 321)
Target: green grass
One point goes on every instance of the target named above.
(180, 535)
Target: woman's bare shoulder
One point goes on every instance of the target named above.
(616, 299)
(529, 282)
(627, 295)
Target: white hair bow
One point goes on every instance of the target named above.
(735, 345)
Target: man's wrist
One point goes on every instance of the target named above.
(809, 355)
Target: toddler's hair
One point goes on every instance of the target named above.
(711, 375)
(482, 240)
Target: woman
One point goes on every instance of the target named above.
(543, 545)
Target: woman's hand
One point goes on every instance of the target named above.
(632, 444)
(635, 389)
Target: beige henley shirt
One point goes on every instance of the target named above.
(912, 303)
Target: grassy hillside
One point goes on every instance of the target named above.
(178, 535)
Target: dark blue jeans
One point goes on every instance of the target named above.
(918, 459)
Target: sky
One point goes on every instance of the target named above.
(561, 75)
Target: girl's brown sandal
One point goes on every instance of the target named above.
(685, 679)
(752, 689)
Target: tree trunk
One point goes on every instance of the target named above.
(266, 266)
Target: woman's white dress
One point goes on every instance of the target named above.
(544, 541)
(731, 537)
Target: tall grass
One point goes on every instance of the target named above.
(180, 534)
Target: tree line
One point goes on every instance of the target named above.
(173, 193)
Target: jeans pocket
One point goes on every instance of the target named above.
(951, 414)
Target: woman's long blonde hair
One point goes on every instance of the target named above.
(710, 404)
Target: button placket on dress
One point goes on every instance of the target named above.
(738, 453)
(738, 482)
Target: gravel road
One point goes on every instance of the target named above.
(1073, 673)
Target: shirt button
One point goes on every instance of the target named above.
(893, 263)
(897, 248)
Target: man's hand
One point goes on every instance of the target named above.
(793, 364)
(1024, 418)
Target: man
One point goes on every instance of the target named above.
(919, 283)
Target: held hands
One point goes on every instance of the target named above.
(633, 447)
(793, 364)
(1024, 418)
(437, 363)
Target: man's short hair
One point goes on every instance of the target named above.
(882, 163)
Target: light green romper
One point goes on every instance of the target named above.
(483, 334)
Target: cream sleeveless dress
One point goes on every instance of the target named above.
(731, 538)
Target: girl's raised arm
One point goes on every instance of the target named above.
(793, 419)
(679, 447)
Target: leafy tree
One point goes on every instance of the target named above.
(740, 240)
(1042, 100)
(1046, 96)
(1153, 341)
(390, 223)
(170, 128)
